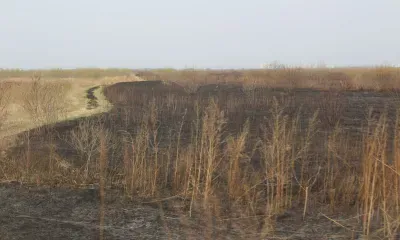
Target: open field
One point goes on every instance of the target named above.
(207, 154)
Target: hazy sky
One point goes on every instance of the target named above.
(188, 33)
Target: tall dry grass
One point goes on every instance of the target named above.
(65, 73)
(103, 149)
(4, 102)
(379, 180)
(87, 139)
(44, 101)
(380, 78)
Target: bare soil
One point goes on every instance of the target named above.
(58, 213)
(34, 212)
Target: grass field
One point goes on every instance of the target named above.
(64, 97)
(202, 154)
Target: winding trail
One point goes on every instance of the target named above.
(92, 99)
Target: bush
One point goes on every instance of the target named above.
(43, 101)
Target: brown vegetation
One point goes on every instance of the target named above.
(4, 101)
(44, 102)
(63, 73)
(245, 153)
(378, 78)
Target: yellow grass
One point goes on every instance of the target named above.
(73, 94)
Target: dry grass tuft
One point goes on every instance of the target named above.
(4, 102)
(43, 101)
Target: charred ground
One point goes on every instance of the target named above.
(158, 122)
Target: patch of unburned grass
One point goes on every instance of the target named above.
(374, 78)
(40, 99)
(94, 73)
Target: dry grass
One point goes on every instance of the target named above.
(39, 98)
(63, 73)
(380, 78)
(4, 102)
(44, 102)
(33, 103)
(380, 179)
(87, 139)
(243, 180)
(331, 107)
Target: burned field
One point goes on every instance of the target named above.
(216, 160)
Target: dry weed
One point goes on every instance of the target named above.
(4, 101)
(44, 101)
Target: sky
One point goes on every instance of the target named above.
(199, 34)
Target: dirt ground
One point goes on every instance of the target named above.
(32, 212)
(45, 213)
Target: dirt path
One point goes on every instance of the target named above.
(92, 98)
